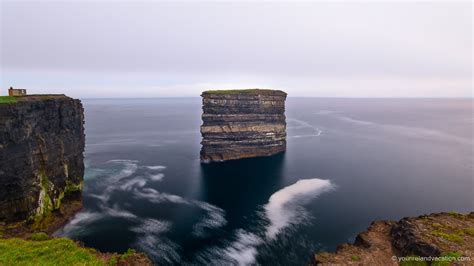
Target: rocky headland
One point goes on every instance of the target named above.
(41, 159)
(41, 177)
(242, 123)
(447, 238)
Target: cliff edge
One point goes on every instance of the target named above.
(443, 238)
(242, 123)
(41, 156)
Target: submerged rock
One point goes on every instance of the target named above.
(242, 123)
(41, 156)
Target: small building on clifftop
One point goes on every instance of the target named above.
(16, 92)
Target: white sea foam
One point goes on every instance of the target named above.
(241, 251)
(412, 132)
(77, 224)
(154, 196)
(150, 236)
(151, 240)
(305, 136)
(325, 112)
(121, 161)
(149, 231)
(303, 124)
(130, 167)
(155, 145)
(115, 211)
(114, 181)
(281, 209)
(244, 250)
(156, 167)
(100, 197)
(83, 217)
(284, 208)
(157, 177)
(136, 182)
(152, 226)
(356, 121)
(214, 218)
(159, 248)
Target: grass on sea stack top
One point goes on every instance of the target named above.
(244, 91)
(7, 99)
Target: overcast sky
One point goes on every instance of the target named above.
(153, 49)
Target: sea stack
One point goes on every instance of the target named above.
(242, 124)
(41, 156)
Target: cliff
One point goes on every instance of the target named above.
(242, 123)
(41, 156)
(446, 236)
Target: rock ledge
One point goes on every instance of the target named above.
(435, 235)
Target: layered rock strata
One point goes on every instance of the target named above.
(242, 123)
(440, 236)
(41, 156)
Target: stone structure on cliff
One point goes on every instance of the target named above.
(242, 123)
(41, 155)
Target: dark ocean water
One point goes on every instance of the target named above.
(348, 162)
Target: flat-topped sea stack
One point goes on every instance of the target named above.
(242, 124)
(41, 156)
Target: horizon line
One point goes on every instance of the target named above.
(325, 97)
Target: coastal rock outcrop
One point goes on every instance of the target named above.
(41, 156)
(242, 123)
(446, 237)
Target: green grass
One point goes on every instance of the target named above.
(469, 231)
(456, 215)
(450, 258)
(57, 251)
(355, 258)
(128, 253)
(456, 238)
(39, 236)
(113, 261)
(263, 91)
(7, 99)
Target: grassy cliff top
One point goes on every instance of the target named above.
(245, 91)
(48, 252)
(7, 99)
(30, 97)
(42, 250)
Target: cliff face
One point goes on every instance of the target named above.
(41, 155)
(242, 123)
(448, 235)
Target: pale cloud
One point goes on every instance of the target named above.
(154, 49)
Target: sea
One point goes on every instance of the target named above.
(349, 161)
